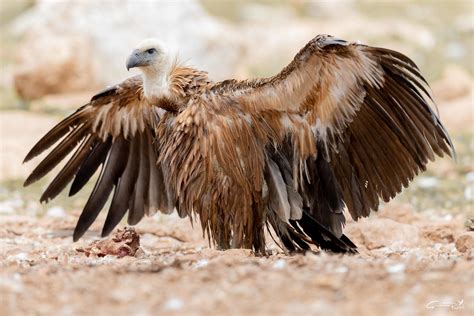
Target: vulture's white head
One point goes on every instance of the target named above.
(153, 60)
(150, 54)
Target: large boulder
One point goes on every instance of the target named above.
(73, 45)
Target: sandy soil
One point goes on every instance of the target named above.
(409, 264)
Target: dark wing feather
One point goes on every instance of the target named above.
(140, 195)
(108, 178)
(114, 131)
(67, 173)
(58, 153)
(158, 199)
(124, 190)
(90, 165)
(56, 133)
(396, 132)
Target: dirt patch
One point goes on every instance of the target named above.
(414, 269)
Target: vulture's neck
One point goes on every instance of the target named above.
(156, 82)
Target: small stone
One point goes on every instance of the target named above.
(448, 217)
(279, 264)
(396, 268)
(174, 304)
(6, 208)
(440, 233)
(56, 212)
(470, 224)
(19, 257)
(465, 242)
(202, 263)
(341, 269)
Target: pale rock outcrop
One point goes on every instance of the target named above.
(54, 58)
(55, 64)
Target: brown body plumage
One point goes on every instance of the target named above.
(342, 126)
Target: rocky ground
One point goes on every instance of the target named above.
(409, 264)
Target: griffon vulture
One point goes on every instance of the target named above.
(343, 126)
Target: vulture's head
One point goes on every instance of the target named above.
(149, 56)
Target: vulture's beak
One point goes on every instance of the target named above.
(134, 60)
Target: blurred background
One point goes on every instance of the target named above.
(54, 55)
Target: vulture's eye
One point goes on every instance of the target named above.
(151, 51)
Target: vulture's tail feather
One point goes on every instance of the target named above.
(298, 235)
(322, 237)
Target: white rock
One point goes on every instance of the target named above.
(56, 212)
(427, 182)
(470, 176)
(468, 194)
(448, 217)
(396, 268)
(6, 208)
(11, 205)
(341, 269)
(201, 263)
(19, 257)
(279, 264)
(174, 304)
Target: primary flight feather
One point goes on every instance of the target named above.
(343, 126)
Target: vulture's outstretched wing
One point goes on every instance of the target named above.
(358, 127)
(115, 130)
